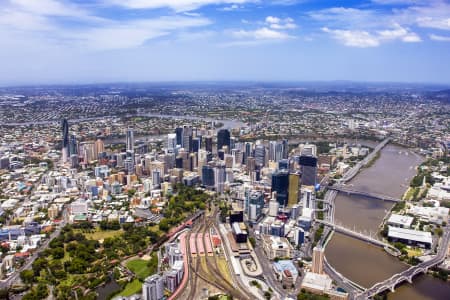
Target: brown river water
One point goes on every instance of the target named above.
(366, 264)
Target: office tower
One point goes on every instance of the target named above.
(317, 260)
(208, 176)
(248, 151)
(179, 136)
(153, 288)
(209, 143)
(280, 184)
(308, 167)
(73, 146)
(156, 178)
(65, 140)
(272, 147)
(251, 165)
(260, 155)
(294, 185)
(171, 142)
(307, 197)
(220, 178)
(237, 157)
(130, 140)
(187, 138)
(285, 145)
(223, 139)
(99, 147)
(283, 164)
(255, 201)
(196, 142)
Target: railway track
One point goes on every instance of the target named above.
(214, 269)
(212, 275)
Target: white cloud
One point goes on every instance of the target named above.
(177, 5)
(135, 33)
(263, 33)
(273, 20)
(365, 39)
(280, 24)
(439, 38)
(353, 38)
(436, 23)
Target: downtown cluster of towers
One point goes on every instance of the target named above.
(204, 157)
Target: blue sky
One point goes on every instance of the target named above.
(76, 41)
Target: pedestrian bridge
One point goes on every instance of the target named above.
(341, 229)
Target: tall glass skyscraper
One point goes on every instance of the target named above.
(65, 140)
(223, 139)
(130, 140)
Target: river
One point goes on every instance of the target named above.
(366, 264)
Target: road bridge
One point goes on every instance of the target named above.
(407, 275)
(355, 169)
(348, 190)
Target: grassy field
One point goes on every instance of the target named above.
(139, 267)
(99, 234)
(414, 252)
(132, 288)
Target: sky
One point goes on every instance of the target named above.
(90, 41)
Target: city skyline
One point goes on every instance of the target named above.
(70, 42)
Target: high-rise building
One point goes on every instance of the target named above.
(130, 140)
(171, 142)
(220, 178)
(223, 139)
(307, 197)
(294, 185)
(179, 136)
(209, 143)
(187, 138)
(255, 201)
(65, 140)
(208, 176)
(73, 146)
(280, 184)
(260, 155)
(317, 260)
(308, 167)
(153, 288)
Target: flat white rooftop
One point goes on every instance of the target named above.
(409, 234)
(396, 219)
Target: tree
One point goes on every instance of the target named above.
(27, 276)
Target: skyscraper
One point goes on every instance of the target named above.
(130, 140)
(179, 135)
(65, 140)
(187, 138)
(171, 142)
(294, 185)
(280, 184)
(260, 155)
(73, 146)
(308, 167)
(317, 260)
(208, 176)
(223, 139)
(208, 143)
